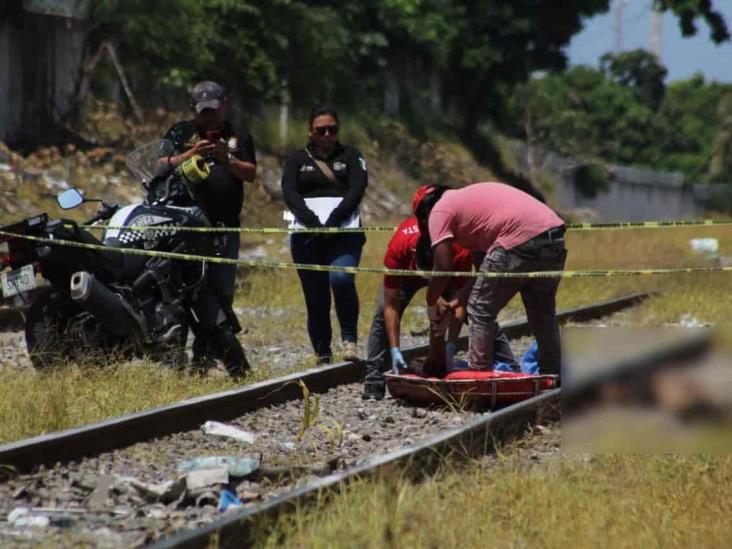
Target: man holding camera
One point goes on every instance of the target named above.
(232, 162)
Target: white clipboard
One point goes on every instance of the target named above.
(322, 207)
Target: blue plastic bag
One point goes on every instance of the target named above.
(529, 363)
(530, 360)
(228, 498)
(502, 367)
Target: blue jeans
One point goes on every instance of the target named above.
(342, 250)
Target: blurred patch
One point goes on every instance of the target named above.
(646, 390)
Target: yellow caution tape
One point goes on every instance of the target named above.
(374, 270)
(336, 230)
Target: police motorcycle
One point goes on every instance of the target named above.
(106, 301)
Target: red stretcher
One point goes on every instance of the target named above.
(480, 389)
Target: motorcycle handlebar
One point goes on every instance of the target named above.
(105, 213)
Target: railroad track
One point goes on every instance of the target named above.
(166, 435)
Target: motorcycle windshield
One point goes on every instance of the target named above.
(150, 160)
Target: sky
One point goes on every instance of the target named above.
(683, 57)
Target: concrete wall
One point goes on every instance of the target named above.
(631, 194)
(653, 196)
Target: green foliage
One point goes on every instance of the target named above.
(591, 179)
(640, 71)
(688, 10)
(692, 109)
(464, 57)
(310, 410)
(623, 113)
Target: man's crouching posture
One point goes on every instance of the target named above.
(507, 231)
(408, 252)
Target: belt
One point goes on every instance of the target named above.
(555, 233)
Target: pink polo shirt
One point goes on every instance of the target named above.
(483, 216)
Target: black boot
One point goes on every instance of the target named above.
(374, 386)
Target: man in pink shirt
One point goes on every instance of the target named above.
(506, 230)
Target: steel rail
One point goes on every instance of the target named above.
(118, 432)
(477, 437)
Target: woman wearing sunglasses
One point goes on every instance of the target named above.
(323, 185)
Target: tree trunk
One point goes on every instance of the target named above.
(284, 114)
(392, 95)
(435, 91)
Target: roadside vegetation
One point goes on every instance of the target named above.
(272, 314)
(604, 501)
(480, 74)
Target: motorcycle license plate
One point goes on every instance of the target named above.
(19, 280)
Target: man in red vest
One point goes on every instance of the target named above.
(407, 252)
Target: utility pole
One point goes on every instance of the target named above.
(656, 19)
(619, 7)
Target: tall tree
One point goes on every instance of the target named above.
(640, 71)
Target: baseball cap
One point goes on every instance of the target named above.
(206, 95)
(419, 194)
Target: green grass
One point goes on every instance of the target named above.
(624, 501)
(614, 501)
(35, 403)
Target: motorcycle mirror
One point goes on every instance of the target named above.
(70, 198)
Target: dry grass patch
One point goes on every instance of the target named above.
(621, 501)
(35, 403)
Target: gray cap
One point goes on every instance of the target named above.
(207, 95)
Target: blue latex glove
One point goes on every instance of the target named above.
(397, 360)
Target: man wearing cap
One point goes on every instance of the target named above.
(406, 251)
(507, 231)
(232, 162)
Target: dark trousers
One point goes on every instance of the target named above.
(223, 277)
(490, 295)
(379, 359)
(222, 280)
(342, 250)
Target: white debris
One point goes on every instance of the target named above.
(257, 253)
(53, 183)
(223, 430)
(165, 491)
(708, 246)
(199, 479)
(287, 447)
(21, 517)
(689, 321)
(238, 467)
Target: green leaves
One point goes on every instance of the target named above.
(417, 56)
(689, 10)
(623, 113)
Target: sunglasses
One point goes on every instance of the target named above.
(326, 130)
